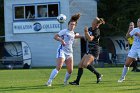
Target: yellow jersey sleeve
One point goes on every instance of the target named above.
(130, 40)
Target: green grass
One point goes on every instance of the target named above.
(33, 80)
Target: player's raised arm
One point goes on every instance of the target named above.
(87, 35)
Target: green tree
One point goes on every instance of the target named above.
(118, 14)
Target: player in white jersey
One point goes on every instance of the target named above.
(134, 51)
(130, 42)
(65, 51)
(68, 37)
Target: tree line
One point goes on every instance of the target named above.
(118, 14)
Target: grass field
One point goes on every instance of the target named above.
(33, 80)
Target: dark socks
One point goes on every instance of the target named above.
(93, 70)
(80, 73)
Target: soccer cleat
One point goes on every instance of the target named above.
(99, 78)
(49, 84)
(74, 83)
(121, 79)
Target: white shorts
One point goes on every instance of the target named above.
(134, 53)
(62, 54)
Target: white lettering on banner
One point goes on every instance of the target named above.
(19, 27)
(33, 27)
(46, 26)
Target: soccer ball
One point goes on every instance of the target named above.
(61, 18)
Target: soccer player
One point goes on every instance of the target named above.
(134, 51)
(65, 52)
(92, 34)
(130, 41)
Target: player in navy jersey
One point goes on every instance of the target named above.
(65, 52)
(92, 35)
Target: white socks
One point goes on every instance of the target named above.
(67, 76)
(124, 72)
(53, 75)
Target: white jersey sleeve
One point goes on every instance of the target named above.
(62, 32)
(132, 33)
